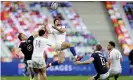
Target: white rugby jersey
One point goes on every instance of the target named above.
(40, 45)
(115, 56)
(56, 35)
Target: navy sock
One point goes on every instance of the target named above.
(72, 49)
(130, 70)
(55, 63)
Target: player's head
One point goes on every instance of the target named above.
(22, 37)
(42, 33)
(57, 22)
(98, 47)
(111, 45)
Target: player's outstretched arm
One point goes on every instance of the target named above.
(61, 30)
(35, 34)
(86, 62)
(46, 27)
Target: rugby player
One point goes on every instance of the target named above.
(100, 63)
(114, 60)
(26, 47)
(57, 35)
(38, 62)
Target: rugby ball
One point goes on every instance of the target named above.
(54, 5)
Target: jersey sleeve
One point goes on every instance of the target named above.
(20, 47)
(93, 55)
(31, 38)
(119, 53)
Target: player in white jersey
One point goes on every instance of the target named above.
(38, 62)
(57, 33)
(114, 60)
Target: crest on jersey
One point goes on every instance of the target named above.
(28, 41)
(29, 47)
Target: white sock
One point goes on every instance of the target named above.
(76, 56)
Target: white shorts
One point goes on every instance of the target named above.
(29, 62)
(38, 63)
(102, 76)
(113, 72)
(58, 45)
(131, 66)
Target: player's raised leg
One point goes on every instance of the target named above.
(61, 56)
(66, 45)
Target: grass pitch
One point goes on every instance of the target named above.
(62, 78)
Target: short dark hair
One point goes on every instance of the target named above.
(19, 36)
(55, 20)
(98, 47)
(112, 43)
(41, 32)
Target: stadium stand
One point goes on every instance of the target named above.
(128, 8)
(17, 17)
(119, 26)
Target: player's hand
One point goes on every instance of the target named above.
(77, 62)
(54, 27)
(45, 24)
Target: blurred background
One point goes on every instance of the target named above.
(88, 23)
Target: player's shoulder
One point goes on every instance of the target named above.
(116, 50)
(22, 43)
(30, 39)
(93, 54)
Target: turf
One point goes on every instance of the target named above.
(63, 78)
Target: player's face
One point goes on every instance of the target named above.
(109, 47)
(23, 37)
(57, 22)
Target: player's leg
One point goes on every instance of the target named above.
(116, 77)
(37, 73)
(114, 73)
(94, 77)
(43, 74)
(31, 73)
(26, 65)
(131, 67)
(61, 56)
(30, 70)
(66, 45)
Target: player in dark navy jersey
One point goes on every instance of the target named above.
(100, 64)
(26, 47)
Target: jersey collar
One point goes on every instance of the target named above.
(110, 51)
(98, 51)
(22, 41)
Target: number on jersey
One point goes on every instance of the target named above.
(117, 57)
(38, 43)
(103, 61)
